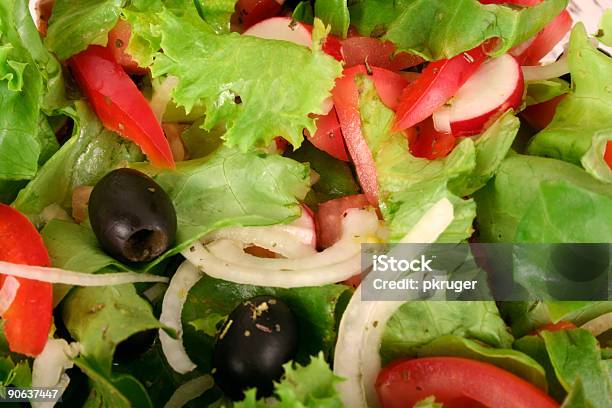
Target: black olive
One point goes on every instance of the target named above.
(258, 337)
(135, 345)
(132, 216)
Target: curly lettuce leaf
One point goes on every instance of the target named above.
(216, 13)
(581, 125)
(74, 25)
(259, 88)
(309, 386)
(334, 13)
(543, 191)
(445, 28)
(100, 318)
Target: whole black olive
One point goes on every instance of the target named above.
(258, 337)
(132, 216)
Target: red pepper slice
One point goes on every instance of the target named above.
(439, 81)
(28, 320)
(119, 104)
(456, 383)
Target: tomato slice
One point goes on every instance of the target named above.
(329, 218)
(426, 142)
(118, 40)
(437, 84)
(608, 154)
(539, 116)
(251, 12)
(328, 136)
(362, 50)
(547, 39)
(119, 104)
(28, 319)
(456, 383)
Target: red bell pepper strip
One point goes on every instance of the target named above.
(28, 319)
(439, 81)
(119, 104)
(456, 383)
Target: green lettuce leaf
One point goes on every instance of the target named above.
(529, 188)
(21, 91)
(429, 402)
(100, 318)
(445, 28)
(545, 90)
(303, 12)
(269, 91)
(581, 126)
(576, 359)
(334, 13)
(416, 324)
(605, 28)
(87, 156)
(216, 13)
(510, 360)
(317, 308)
(309, 386)
(223, 189)
(74, 25)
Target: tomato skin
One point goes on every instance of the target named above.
(555, 327)
(539, 116)
(608, 154)
(119, 104)
(251, 12)
(359, 50)
(439, 81)
(457, 383)
(28, 320)
(328, 218)
(328, 136)
(118, 40)
(426, 142)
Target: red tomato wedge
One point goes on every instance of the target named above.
(361, 50)
(547, 39)
(437, 84)
(253, 11)
(328, 136)
(539, 116)
(426, 142)
(28, 319)
(118, 40)
(608, 154)
(456, 383)
(119, 104)
(329, 218)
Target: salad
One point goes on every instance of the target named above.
(186, 185)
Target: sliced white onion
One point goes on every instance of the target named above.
(441, 119)
(57, 275)
(226, 260)
(172, 307)
(599, 325)
(161, 96)
(357, 358)
(548, 71)
(54, 211)
(8, 293)
(191, 390)
(48, 370)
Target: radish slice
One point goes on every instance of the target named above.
(172, 307)
(599, 325)
(226, 259)
(357, 357)
(57, 275)
(7, 293)
(48, 370)
(191, 390)
(548, 71)
(282, 28)
(496, 87)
